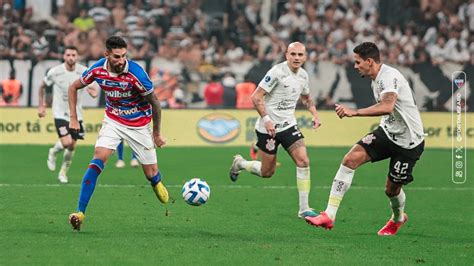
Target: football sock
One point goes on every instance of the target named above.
(96, 167)
(67, 160)
(398, 204)
(120, 151)
(342, 183)
(58, 147)
(253, 167)
(134, 156)
(303, 182)
(156, 179)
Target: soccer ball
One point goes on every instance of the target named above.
(196, 192)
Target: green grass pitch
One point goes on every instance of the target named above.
(252, 222)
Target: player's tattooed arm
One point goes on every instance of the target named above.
(309, 103)
(259, 101)
(156, 111)
(159, 140)
(42, 103)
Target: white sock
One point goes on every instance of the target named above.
(342, 183)
(58, 147)
(253, 167)
(67, 160)
(398, 205)
(303, 182)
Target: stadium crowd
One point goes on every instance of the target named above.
(223, 41)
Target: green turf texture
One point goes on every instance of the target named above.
(250, 222)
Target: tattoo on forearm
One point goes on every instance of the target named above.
(308, 103)
(156, 111)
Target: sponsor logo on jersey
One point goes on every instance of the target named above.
(116, 84)
(267, 78)
(218, 128)
(118, 94)
(120, 112)
(285, 105)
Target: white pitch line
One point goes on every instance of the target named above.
(240, 187)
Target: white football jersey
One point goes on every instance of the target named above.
(403, 126)
(283, 89)
(61, 78)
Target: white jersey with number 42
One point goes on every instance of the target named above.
(403, 126)
(61, 78)
(283, 88)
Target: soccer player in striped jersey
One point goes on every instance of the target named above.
(130, 107)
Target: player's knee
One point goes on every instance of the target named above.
(68, 145)
(351, 160)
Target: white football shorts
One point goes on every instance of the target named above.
(139, 139)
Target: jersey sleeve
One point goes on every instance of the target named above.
(143, 83)
(306, 89)
(270, 81)
(389, 83)
(48, 79)
(88, 76)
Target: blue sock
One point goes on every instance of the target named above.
(88, 183)
(156, 179)
(134, 156)
(120, 151)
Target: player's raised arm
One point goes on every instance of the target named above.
(42, 102)
(309, 103)
(72, 95)
(259, 103)
(156, 116)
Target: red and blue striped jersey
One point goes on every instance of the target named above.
(124, 93)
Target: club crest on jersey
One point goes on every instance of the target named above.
(459, 82)
(123, 85)
(368, 139)
(270, 144)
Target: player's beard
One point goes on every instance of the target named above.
(70, 65)
(117, 68)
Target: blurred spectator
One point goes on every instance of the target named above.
(118, 14)
(84, 22)
(244, 90)
(40, 47)
(21, 44)
(165, 83)
(11, 90)
(99, 12)
(213, 93)
(139, 47)
(229, 95)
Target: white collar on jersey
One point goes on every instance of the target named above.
(125, 69)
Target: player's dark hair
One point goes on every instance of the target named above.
(368, 50)
(115, 42)
(70, 47)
